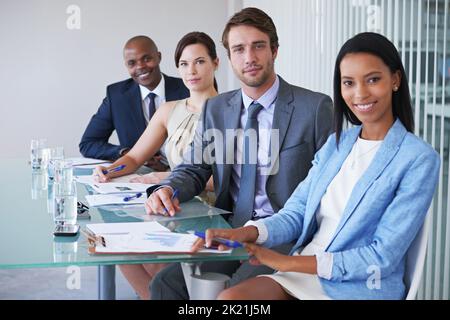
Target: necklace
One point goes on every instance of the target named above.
(357, 155)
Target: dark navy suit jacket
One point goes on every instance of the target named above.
(121, 110)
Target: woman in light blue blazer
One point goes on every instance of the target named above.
(364, 199)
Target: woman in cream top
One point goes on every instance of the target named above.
(175, 121)
(180, 132)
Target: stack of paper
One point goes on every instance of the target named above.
(125, 227)
(117, 185)
(87, 163)
(96, 200)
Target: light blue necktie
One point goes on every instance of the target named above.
(243, 209)
(151, 105)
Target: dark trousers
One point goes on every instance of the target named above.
(169, 284)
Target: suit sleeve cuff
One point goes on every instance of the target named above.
(262, 230)
(122, 151)
(156, 187)
(324, 264)
(165, 186)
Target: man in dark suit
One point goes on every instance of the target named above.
(289, 123)
(130, 104)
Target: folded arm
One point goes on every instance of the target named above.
(94, 142)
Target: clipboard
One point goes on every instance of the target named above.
(157, 242)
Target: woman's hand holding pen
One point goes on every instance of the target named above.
(98, 174)
(163, 201)
(243, 235)
(101, 174)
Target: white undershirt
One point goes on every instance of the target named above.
(338, 192)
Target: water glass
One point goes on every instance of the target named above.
(65, 204)
(63, 171)
(39, 184)
(37, 153)
(55, 154)
(50, 199)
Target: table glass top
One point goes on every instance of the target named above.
(26, 226)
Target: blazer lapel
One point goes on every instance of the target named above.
(281, 117)
(383, 157)
(231, 119)
(133, 96)
(171, 89)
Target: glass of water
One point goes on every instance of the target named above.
(37, 153)
(55, 154)
(65, 203)
(39, 184)
(63, 171)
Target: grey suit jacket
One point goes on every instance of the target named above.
(304, 121)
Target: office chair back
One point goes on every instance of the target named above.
(415, 260)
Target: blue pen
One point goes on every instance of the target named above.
(128, 198)
(228, 243)
(118, 168)
(174, 195)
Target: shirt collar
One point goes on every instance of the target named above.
(266, 99)
(159, 90)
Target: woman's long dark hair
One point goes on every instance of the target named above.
(381, 47)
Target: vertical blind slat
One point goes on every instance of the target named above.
(418, 67)
(437, 214)
(445, 294)
(427, 268)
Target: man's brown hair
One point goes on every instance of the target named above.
(252, 17)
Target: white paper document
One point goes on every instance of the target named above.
(143, 237)
(117, 185)
(87, 163)
(125, 227)
(96, 200)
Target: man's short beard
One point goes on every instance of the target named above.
(257, 82)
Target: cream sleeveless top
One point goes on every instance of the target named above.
(180, 133)
(181, 127)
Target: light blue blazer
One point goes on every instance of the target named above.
(383, 214)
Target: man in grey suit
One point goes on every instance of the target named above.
(289, 124)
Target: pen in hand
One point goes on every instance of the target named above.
(174, 195)
(118, 168)
(128, 198)
(227, 242)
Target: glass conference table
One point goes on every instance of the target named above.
(26, 228)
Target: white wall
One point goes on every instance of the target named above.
(53, 79)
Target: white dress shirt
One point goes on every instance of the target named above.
(262, 206)
(159, 99)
